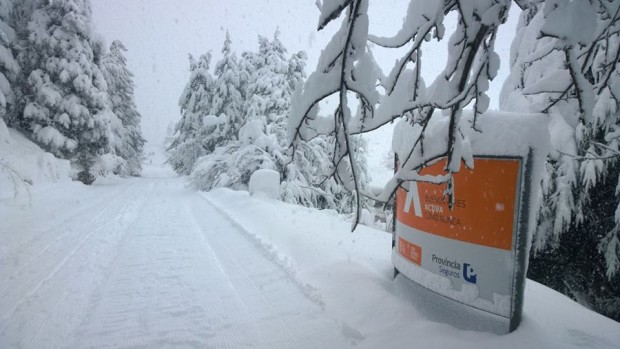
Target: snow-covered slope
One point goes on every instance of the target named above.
(24, 164)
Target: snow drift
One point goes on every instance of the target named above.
(24, 164)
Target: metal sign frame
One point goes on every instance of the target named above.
(518, 248)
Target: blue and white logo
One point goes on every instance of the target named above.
(469, 273)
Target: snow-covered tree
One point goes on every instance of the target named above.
(311, 176)
(227, 97)
(195, 104)
(267, 81)
(564, 63)
(247, 67)
(129, 143)
(346, 68)
(226, 114)
(259, 142)
(9, 69)
(65, 102)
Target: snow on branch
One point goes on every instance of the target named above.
(347, 68)
(565, 64)
(335, 74)
(330, 10)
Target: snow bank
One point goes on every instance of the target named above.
(24, 164)
(351, 275)
(265, 181)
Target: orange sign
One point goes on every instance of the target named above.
(410, 251)
(484, 205)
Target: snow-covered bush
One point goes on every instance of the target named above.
(229, 166)
(107, 164)
(183, 156)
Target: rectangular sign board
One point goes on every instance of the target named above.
(468, 253)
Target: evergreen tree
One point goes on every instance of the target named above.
(226, 114)
(9, 69)
(130, 143)
(65, 102)
(259, 139)
(262, 143)
(195, 104)
(247, 67)
(227, 97)
(571, 76)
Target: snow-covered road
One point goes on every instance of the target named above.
(146, 263)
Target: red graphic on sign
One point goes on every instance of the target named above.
(410, 251)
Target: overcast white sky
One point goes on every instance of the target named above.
(160, 34)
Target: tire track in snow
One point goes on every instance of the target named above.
(163, 268)
(40, 237)
(8, 288)
(164, 288)
(271, 253)
(43, 315)
(353, 336)
(288, 313)
(49, 232)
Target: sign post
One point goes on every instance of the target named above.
(475, 253)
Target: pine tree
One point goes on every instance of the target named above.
(270, 92)
(258, 145)
(247, 67)
(270, 79)
(130, 143)
(571, 76)
(226, 114)
(195, 104)
(9, 69)
(227, 98)
(65, 103)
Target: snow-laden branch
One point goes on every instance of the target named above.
(346, 66)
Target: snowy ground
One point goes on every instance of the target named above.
(147, 263)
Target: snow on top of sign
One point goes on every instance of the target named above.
(495, 133)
